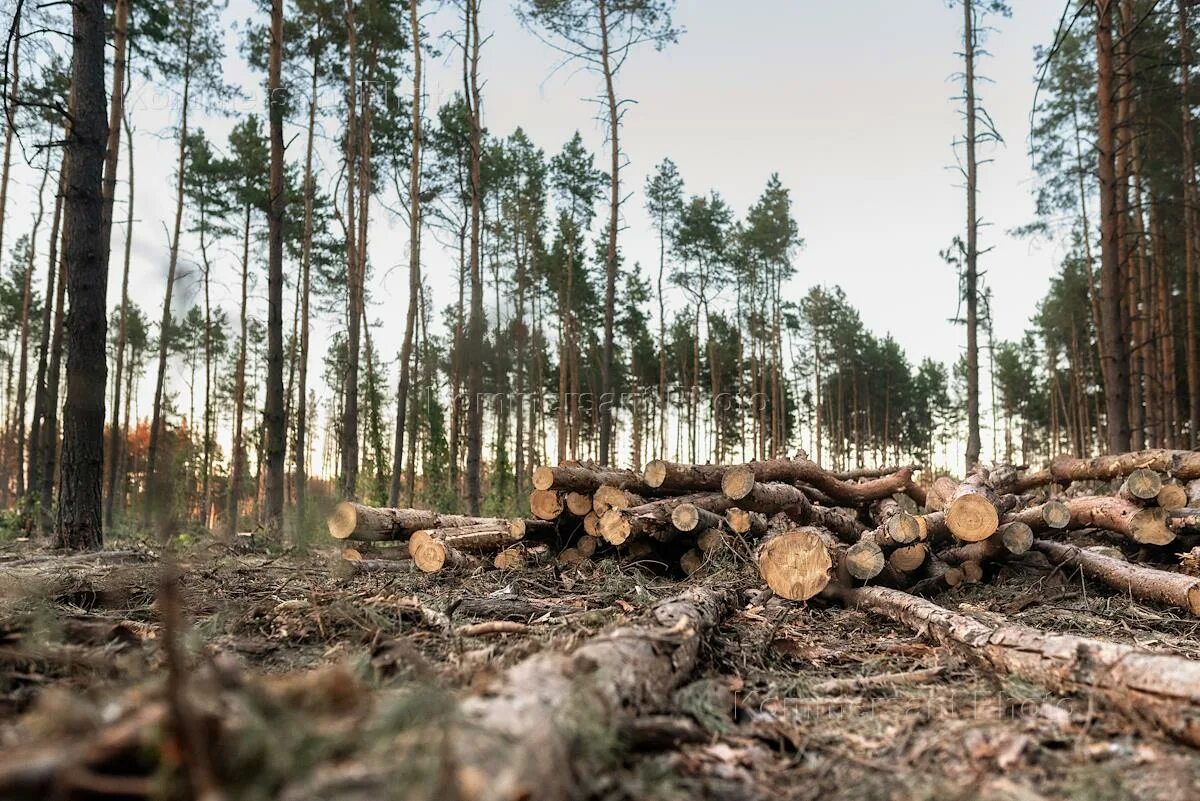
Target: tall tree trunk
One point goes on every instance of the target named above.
(607, 397)
(153, 497)
(26, 305)
(1116, 348)
(475, 326)
(118, 435)
(79, 508)
(276, 425)
(1191, 198)
(354, 284)
(974, 445)
(238, 456)
(10, 111)
(305, 285)
(39, 387)
(414, 258)
(49, 433)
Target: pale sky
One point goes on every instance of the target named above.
(851, 103)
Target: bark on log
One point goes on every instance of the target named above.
(479, 538)
(972, 513)
(518, 741)
(738, 481)
(666, 476)
(1184, 521)
(687, 517)
(584, 479)
(938, 578)
(619, 526)
(842, 522)
(1143, 583)
(1011, 538)
(1048, 515)
(940, 493)
(521, 555)
(752, 525)
(354, 521)
(773, 499)
(1160, 689)
(613, 497)
(432, 555)
(1184, 465)
(1146, 526)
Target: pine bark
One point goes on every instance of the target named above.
(274, 416)
(80, 524)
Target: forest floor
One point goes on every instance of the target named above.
(312, 683)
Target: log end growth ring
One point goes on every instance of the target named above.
(972, 518)
(343, 521)
(795, 564)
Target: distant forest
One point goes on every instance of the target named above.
(554, 347)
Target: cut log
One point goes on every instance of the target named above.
(738, 481)
(586, 546)
(773, 499)
(1172, 496)
(432, 555)
(864, 560)
(750, 524)
(521, 555)
(1143, 484)
(1148, 687)
(710, 540)
(1184, 465)
(972, 571)
(618, 526)
(612, 497)
(583, 479)
(591, 524)
(518, 741)
(691, 562)
(1146, 526)
(363, 551)
(972, 513)
(1143, 583)
(546, 504)
(903, 529)
(687, 517)
(479, 538)
(1016, 536)
(354, 521)
(1011, 538)
(578, 503)
(795, 564)
(1184, 521)
(940, 493)
(674, 477)
(844, 523)
(909, 558)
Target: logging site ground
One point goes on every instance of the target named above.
(310, 682)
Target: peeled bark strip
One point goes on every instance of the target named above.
(1143, 583)
(673, 477)
(519, 741)
(1160, 689)
(546, 504)
(583, 479)
(619, 526)
(795, 564)
(354, 521)
(739, 480)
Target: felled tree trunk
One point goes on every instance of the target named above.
(1147, 526)
(1160, 689)
(354, 521)
(523, 739)
(585, 479)
(739, 481)
(1144, 583)
(796, 564)
(620, 526)
(972, 513)
(673, 477)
